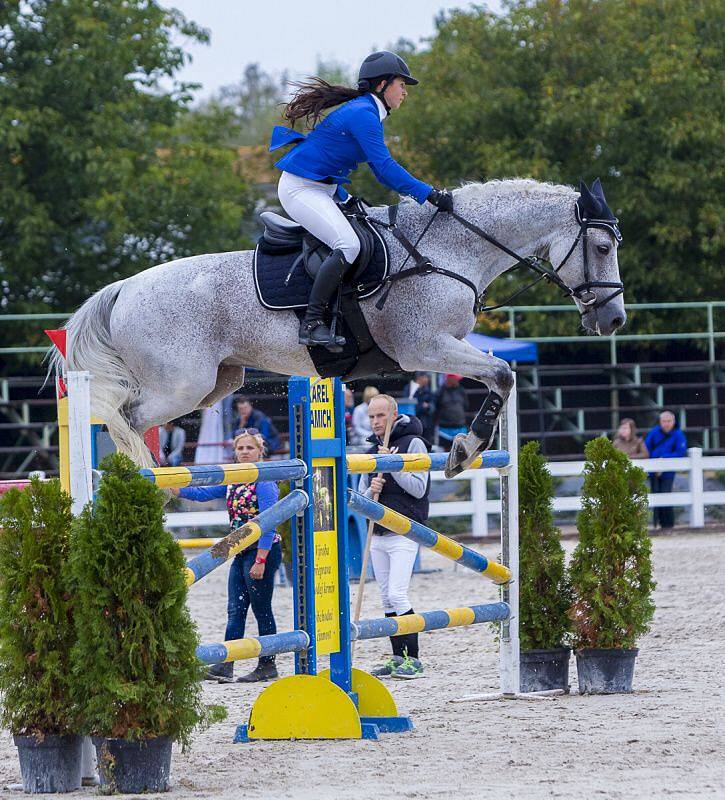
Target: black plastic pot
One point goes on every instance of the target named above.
(50, 765)
(130, 766)
(543, 670)
(605, 670)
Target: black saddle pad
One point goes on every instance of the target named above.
(272, 265)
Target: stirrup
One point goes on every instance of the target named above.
(315, 332)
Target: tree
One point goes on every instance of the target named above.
(102, 170)
(611, 569)
(554, 90)
(135, 656)
(545, 594)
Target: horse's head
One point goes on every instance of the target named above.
(590, 267)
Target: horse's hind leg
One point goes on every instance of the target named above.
(451, 355)
(230, 377)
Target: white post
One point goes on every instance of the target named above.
(509, 648)
(479, 498)
(81, 489)
(79, 438)
(697, 509)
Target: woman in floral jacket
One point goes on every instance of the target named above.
(251, 577)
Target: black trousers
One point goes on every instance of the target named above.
(664, 516)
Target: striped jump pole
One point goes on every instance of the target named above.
(245, 535)
(427, 537)
(429, 621)
(222, 474)
(419, 462)
(253, 647)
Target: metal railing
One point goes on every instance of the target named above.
(480, 506)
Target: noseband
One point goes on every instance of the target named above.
(582, 292)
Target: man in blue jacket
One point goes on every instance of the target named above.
(665, 440)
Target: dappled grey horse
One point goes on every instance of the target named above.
(177, 337)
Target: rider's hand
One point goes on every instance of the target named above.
(442, 199)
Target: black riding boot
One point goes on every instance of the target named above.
(313, 330)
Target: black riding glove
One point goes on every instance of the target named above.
(442, 199)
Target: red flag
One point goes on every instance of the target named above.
(59, 339)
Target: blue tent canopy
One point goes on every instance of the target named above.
(508, 349)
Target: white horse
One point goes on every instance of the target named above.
(178, 337)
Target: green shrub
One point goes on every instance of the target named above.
(135, 656)
(611, 569)
(544, 591)
(36, 626)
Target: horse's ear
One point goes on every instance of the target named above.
(597, 189)
(590, 206)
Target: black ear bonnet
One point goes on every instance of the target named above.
(592, 208)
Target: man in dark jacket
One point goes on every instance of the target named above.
(251, 418)
(451, 407)
(665, 440)
(393, 556)
(425, 405)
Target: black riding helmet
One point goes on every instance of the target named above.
(380, 65)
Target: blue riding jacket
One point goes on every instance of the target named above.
(333, 149)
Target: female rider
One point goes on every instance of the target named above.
(251, 576)
(315, 170)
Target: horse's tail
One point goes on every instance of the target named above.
(113, 387)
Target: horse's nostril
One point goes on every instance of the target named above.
(617, 323)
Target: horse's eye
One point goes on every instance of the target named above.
(603, 249)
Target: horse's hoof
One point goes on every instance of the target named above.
(457, 457)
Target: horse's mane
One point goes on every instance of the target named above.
(511, 186)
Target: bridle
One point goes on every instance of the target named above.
(583, 292)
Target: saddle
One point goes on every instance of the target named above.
(286, 259)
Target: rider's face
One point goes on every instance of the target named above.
(395, 92)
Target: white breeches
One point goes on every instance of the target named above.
(393, 558)
(310, 203)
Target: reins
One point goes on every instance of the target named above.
(424, 266)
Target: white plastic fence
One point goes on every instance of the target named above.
(480, 505)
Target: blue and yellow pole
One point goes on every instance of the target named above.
(429, 621)
(253, 647)
(427, 537)
(223, 474)
(419, 462)
(245, 535)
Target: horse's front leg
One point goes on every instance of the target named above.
(451, 355)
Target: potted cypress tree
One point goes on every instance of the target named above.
(544, 591)
(37, 635)
(611, 570)
(134, 660)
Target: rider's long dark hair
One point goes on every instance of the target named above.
(313, 96)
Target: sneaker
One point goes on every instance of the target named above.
(409, 668)
(385, 670)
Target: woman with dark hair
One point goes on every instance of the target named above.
(315, 170)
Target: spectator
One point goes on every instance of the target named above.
(627, 440)
(250, 418)
(349, 408)
(425, 405)
(172, 439)
(361, 429)
(451, 407)
(251, 576)
(413, 385)
(665, 440)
